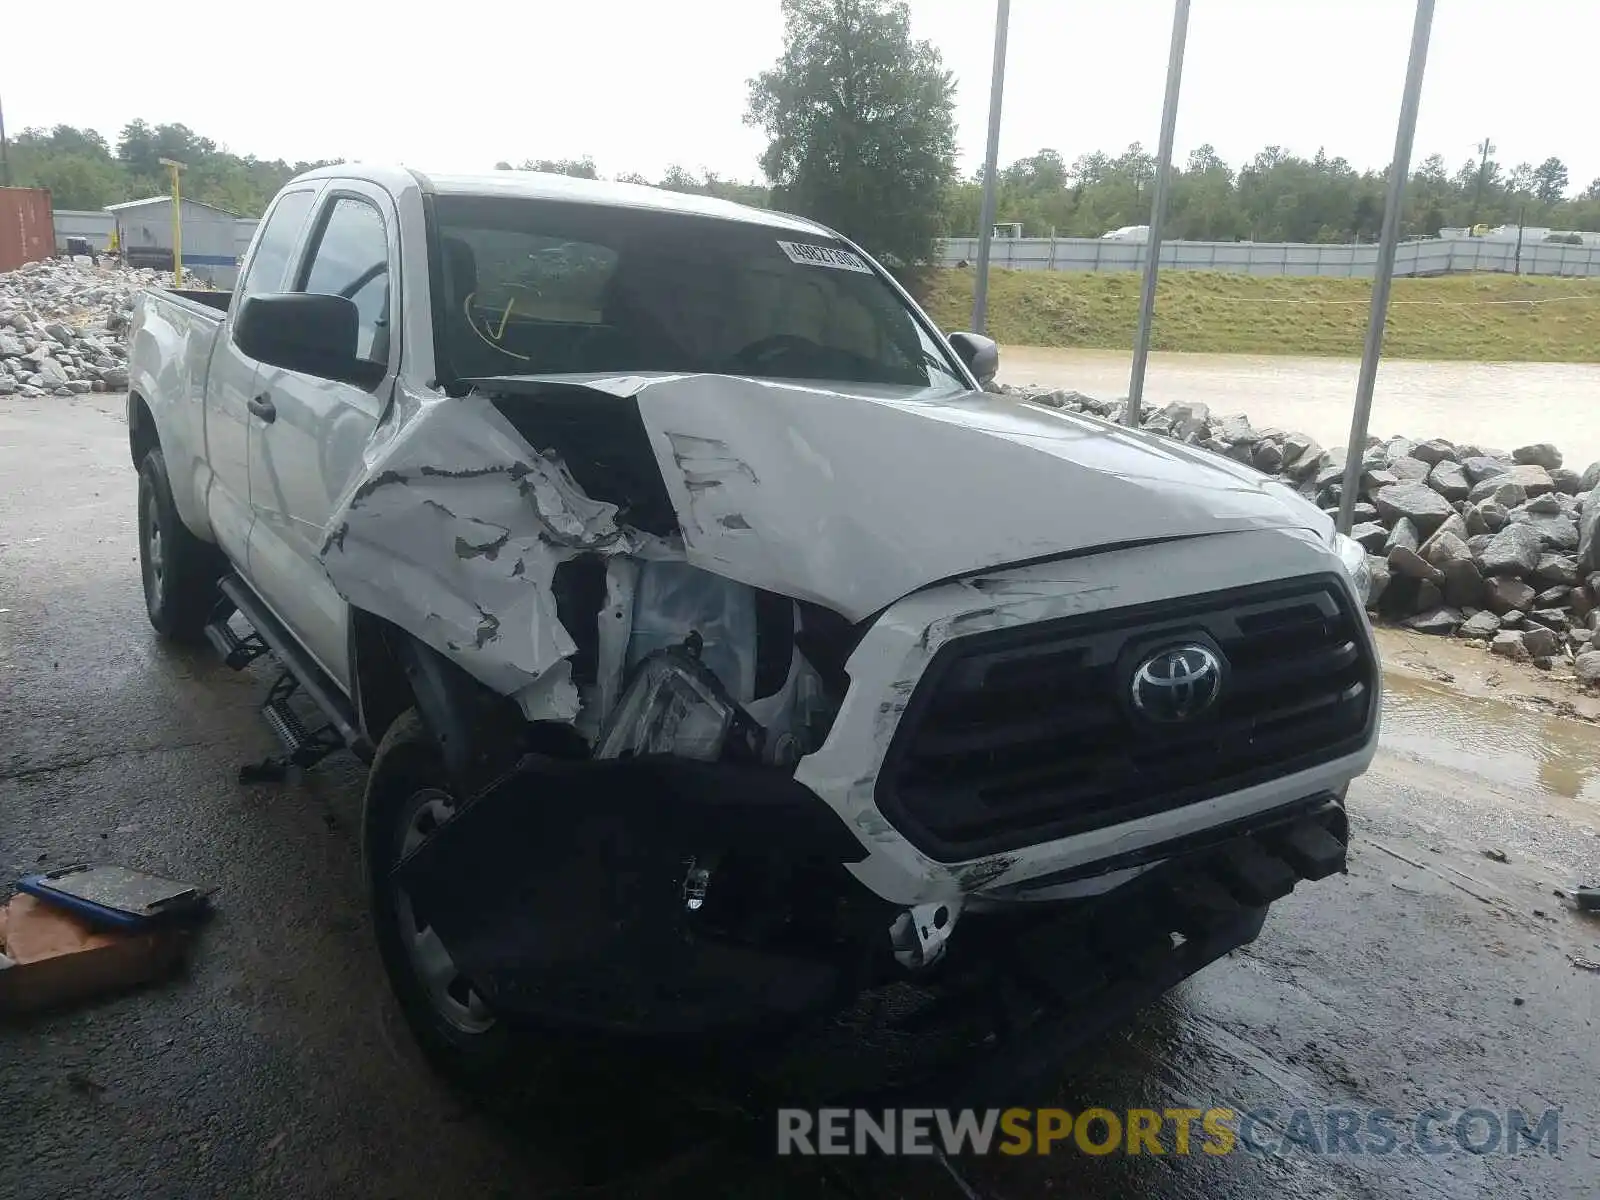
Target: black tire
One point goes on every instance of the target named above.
(179, 571)
(457, 1035)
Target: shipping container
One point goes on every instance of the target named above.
(27, 232)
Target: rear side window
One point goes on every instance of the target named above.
(276, 243)
(351, 259)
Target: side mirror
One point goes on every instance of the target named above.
(305, 332)
(981, 354)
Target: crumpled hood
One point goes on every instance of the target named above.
(856, 498)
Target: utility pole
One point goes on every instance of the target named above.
(174, 166)
(1399, 168)
(1522, 219)
(1485, 148)
(1158, 214)
(991, 155)
(5, 152)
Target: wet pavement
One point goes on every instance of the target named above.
(1491, 404)
(1429, 977)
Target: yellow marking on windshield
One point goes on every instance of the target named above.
(500, 333)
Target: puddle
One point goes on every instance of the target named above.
(1504, 741)
(1493, 404)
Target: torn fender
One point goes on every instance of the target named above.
(454, 533)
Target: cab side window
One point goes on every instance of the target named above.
(351, 259)
(270, 262)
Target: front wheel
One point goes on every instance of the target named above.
(179, 570)
(408, 797)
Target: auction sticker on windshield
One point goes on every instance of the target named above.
(824, 256)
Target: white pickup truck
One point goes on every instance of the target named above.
(720, 648)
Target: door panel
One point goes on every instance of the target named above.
(230, 378)
(304, 460)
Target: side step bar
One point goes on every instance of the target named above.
(324, 693)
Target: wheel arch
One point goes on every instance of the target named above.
(479, 732)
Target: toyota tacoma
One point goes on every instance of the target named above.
(721, 649)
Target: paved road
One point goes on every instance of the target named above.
(277, 1066)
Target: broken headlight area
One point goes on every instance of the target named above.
(676, 705)
(649, 895)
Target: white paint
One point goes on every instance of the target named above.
(894, 653)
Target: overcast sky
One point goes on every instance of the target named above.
(641, 84)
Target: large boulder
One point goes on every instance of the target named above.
(1409, 470)
(1554, 596)
(1535, 480)
(1379, 569)
(1503, 595)
(1235, 428)
(1442, 621)
(1591, 478)
(1407, 562)
(1448, 479)
(1541, 454)
(1185, 417)
(1499, 488)
(1587, 667)
(1404, 533)
(1479, 468)
(1568, 482)
(1445, 547)
(1556, 531)
(1508, 643)
(1480, 625)
(1540, 643)
(1373, 478)
(1433, 450)
(1589, 532)
(1371, 535)
(1514, 551)
(1556, 568)
(1462, 586)
(1267, 456)
(1418, 503)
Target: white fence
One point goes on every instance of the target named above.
(1428, 257)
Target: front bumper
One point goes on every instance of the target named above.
(667, 899)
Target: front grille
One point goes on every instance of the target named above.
(1023, 735)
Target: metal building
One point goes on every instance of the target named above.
(144, 232)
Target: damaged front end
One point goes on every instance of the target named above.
(658, 869)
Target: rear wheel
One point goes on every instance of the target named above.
(408, 797)
(179, 570)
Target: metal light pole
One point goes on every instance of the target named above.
(1158, 213)
(1399, 168)
(980, 289)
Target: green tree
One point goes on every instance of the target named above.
(1550, 180)
(577, 168)
(860, 123)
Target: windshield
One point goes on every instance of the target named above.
(539, 287)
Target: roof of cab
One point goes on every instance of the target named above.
(536, 185)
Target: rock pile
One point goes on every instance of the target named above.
(62, 325)
(1500, 548)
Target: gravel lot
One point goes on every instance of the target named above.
(277, 1065)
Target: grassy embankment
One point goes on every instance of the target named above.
(1455, 317)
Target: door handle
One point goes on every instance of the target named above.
(264, 408)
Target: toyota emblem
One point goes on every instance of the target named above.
(1177, 684)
